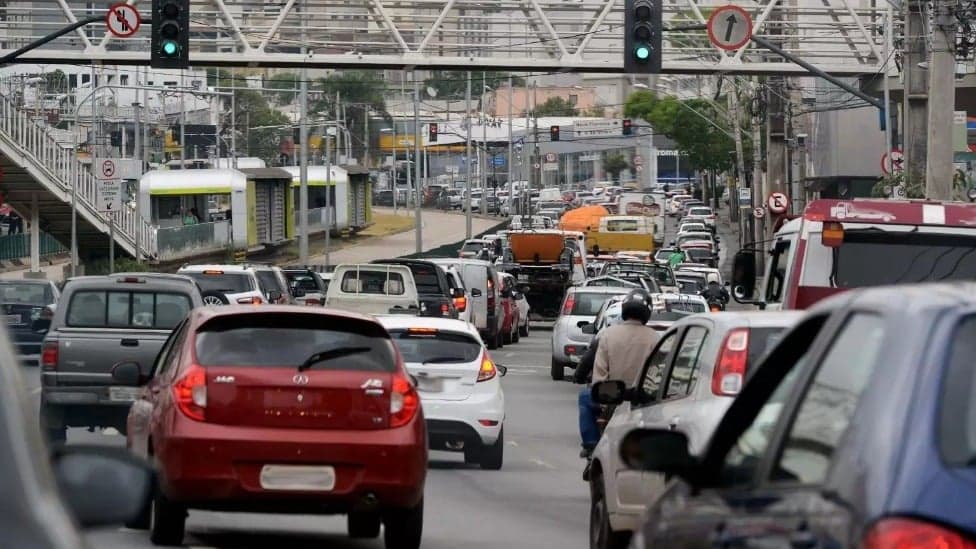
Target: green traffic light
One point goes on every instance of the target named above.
(642, 53)
(170, 48)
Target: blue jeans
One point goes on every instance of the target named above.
(589, 431)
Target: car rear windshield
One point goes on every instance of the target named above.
(268, 281)
(372, 282)
(700, 211)
(219, 281)
(436, 347)
(26, 293)
(699, 254)
(684, 306)
(472, 247)
(760, 341)
(287, 340)
(425, 276)
(589, 303)
(957, 422)
(124, 309)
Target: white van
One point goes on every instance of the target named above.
(480, 278)
(373, 289)
(550, 194)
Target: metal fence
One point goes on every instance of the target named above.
(16, 246)
(176, 242)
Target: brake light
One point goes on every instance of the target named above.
(445, 310)
(488, 370)
(832, 235)
(568, 304)
(404, 401)
(132, 280)
(903, 533)
(461, 304)
(730, 372)
(190, 393)
(255, 300)
(49, 356)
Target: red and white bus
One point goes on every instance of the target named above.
(837, 245)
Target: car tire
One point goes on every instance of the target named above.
(516, 334)
(144, 519)
(213, 298)
(602, 535)
(403, 528)
(493, 341)
(556, 370)
(363, 525)
(524, 330)
(491, 457)
(167, 524)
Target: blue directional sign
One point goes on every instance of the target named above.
(498, 160)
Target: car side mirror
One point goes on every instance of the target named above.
(102, 485)
(658, 451)
(609, 392)
(589, 329)
(297, 292)
(582, 323)
(475, 292)
(274, 295)
(502, 370)
(128, 373)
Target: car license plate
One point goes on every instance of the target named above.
(14, 319)
(123, 394)
(523, 278)
(425, 385)
(320, 478)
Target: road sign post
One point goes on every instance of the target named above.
(109, 185)
(897, 162)
(729, 27)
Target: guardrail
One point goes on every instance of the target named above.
(17, 246)
(188, 240)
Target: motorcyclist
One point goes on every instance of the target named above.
(676, 258)
(715, 291)
(621, 352)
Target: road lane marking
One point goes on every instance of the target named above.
(35, 390)
(541, 463)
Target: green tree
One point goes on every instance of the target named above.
(453, 84)
(687, 124)
(556, 106)
(360, 92)
(288, 83)
(596, 111)
(259, 124)
(614, 164)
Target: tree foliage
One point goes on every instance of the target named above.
(288, 83)
(596, 111)
(359, 92)
(251, 117)
(453, 84)
(687, 124)
(556, 106)
(614, 164)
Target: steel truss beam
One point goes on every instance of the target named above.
(838, 36)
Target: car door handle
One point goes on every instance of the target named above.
(674, 423)
(130, 342)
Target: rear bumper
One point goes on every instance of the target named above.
(218, 467)
(450, 420)
(82, 407)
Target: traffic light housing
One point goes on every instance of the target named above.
(628, 128)
(170, 34)
(642, 38)
(432, 133)
(553, 133)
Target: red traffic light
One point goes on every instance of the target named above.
(432, 132)
(628, 127)
(554, 133)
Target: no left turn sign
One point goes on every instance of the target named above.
(123, 20)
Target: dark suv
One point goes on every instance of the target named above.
(101, 321)
(433, 288)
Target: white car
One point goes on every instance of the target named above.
(238, 284)
(459, 384)
(692, 227)
(523, 308)
(702, 213)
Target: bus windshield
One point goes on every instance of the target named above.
(874, 257)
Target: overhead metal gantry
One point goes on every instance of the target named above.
(841, 37)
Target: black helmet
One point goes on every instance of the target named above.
(636, 306)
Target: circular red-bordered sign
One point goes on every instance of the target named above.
(729, 27)
(123, 20)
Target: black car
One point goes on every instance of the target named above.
(307, 287)
(23, 302)
(433, 288)
(856, 430)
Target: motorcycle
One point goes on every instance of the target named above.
(716, 305)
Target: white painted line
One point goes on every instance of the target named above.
(513, 443)
(35, 390)
(541, 463)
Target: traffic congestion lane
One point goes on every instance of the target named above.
(537, 500)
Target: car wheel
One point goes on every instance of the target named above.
(556, 370)
(507, 337)
(363, 525)
(144, 519)
(491, 457)
(602, 535)
(493, 342)
(403, 528)
(524, 330)
(215, 299)
(167, 521)
(516, 334)
(500, 340)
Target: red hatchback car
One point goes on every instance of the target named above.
(282, 410)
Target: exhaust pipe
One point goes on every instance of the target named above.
(454, 445)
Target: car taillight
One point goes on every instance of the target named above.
(903, 533)
(730, 371)
(568, 304)
(313, 301)
(250, 300)
(461, 304)
(190, 393)
(404, 401)
(445, 310)
(488, 370)
(49, 356)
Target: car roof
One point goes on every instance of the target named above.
(756, 319)
(113, 281)
(403, 322)
(598, 289)
(459, 261)
(903, 299)
(215, 267)
(203, 314)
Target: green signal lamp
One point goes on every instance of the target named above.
(642, 52)
(170, 48)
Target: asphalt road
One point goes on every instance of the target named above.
(537, 500)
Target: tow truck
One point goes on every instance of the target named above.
(838, 245)
(545, 263)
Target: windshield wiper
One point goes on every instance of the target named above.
(338, 352)
(444, 359)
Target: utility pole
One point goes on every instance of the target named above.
(416, 149)
(303, 165)
(182, 121)
(137, 152)
(740, 160)
(942, 92)
(467, 160)
(329, 187)
(366, 135)
(483, 165)
(536, 173)
(888, 49)
(406, 151)
(914, 131)
(511, 186)
(758, 186)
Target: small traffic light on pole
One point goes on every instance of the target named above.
(432, 133)
(170, 34)
(628, 127)
(553, 133)
(642, 41)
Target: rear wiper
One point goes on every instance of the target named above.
(444, 359)
(330, 354)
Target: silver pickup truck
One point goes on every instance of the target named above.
(101, 321)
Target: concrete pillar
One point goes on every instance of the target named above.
(35, 235)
